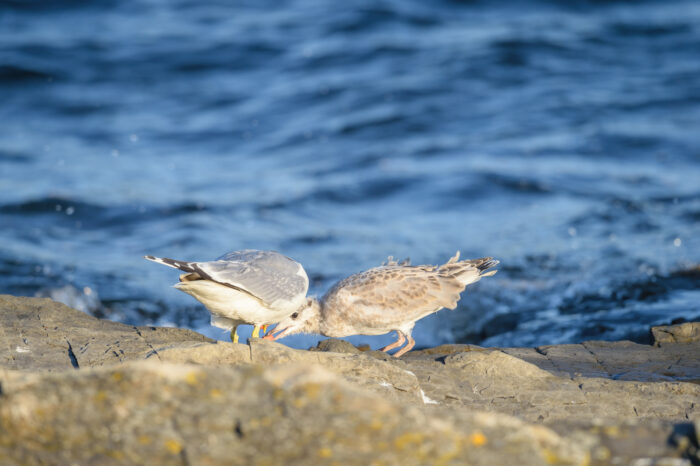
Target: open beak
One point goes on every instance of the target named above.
(269, 335)
(272, 337)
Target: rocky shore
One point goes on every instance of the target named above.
(79, 390)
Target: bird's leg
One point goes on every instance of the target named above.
(256, 331)
(411, 343)
(395, 344)
(234, 335)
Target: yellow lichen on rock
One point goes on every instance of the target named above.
(191, 378)
(173, 446)
(478, 439)
(312, 390)
(407, 439)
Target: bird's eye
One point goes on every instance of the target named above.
(295, 315)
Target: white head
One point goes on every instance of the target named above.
(305, 320)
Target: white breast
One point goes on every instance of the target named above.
(241, 307)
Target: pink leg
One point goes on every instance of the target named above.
(411, 343)
(395, 344)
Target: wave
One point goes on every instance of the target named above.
(616, 295)
(100, 216)
(50, 205)
(37, 6)
(13, 74)
(602, 309)
(14, 157)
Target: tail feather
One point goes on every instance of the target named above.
(468, 271)
(180, 265)
(453, 259)
(488, 263)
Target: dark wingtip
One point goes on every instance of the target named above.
(487, 264)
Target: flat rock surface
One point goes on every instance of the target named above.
(38, 333)
(593, 402)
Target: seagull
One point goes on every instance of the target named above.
(244, 287)
(388, 298)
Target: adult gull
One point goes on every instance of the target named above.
(244, 287)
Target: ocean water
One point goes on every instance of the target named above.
(563, 138)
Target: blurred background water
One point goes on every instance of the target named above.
(561, 137)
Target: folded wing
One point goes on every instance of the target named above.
(387, 294)
(268, 275)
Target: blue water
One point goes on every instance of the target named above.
(560, 137)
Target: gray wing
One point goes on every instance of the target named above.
(268, 275)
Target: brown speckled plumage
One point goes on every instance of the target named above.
(390, 297)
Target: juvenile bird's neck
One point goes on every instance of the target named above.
(331, 324)
(325, 323)
(318, 323)
(313, 324)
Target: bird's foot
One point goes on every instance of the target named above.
(401, 340)
(411, 343)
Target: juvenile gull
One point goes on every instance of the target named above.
(391, 297)
(244, 287)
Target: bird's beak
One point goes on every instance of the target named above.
(270, 333)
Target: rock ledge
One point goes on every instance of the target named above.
(76, 389)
